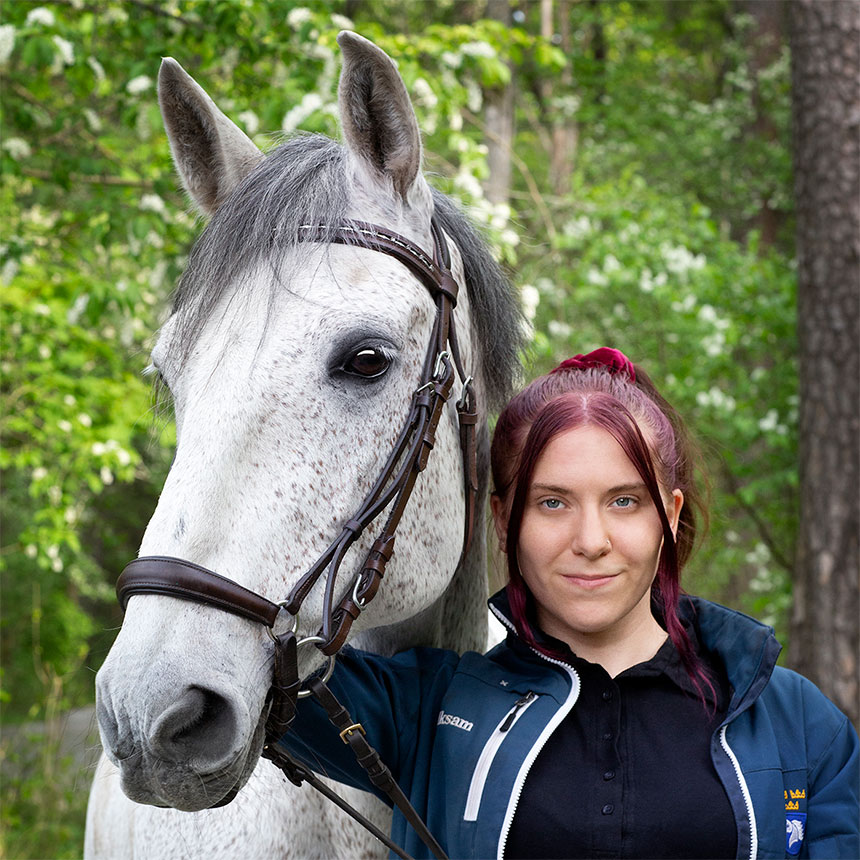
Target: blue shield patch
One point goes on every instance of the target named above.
(795, 827)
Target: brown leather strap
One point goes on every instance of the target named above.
(352, 733)
(175, 577)
(363, 235)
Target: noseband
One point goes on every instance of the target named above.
(183, 579)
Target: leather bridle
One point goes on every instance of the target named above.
(391, 491)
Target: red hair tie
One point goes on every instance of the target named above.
(612, 360)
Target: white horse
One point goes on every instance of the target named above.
(291, 366)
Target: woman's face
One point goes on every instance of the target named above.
(590, 540)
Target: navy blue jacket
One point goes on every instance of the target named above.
(460, 739)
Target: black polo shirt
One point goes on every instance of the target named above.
(628, 772)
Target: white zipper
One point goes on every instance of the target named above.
(744, 790)
(488, 754)
(550, 727)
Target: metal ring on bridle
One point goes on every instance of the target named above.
(303, 694)
(270, 630)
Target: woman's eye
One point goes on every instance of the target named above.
(624, 502)
(552, 504)
(367, 363)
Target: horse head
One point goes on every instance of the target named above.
(291, 366)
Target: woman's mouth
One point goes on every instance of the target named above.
(589, 581)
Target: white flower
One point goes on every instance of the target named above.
(7, 42)
(44, 351)
(646, 281)
(611, 264)
(342, 22)
(65, 49)
(123, 457)
(85, 419)
(98, 448)
(298, 16)
(69, 400)
(769, 422)
(106, 475)
(42, 310)
(297, 115)
(679, 260)
(577, 228)
(57, 565)
(40, 15)
(478, 49)
(451, 58)
(64, 425)
(39, 473)
(17, 148)
(559, 329)
(97, 67)
(93, 119)
(139, 85)
(529, 299)
(31, 551)
(597, 278)
(151, 203)
(251, 122)
(73, 314)
(424, 93)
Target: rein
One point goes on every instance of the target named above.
(392, 488)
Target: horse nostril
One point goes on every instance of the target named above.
(200, 726)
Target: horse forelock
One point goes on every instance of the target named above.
(307, 180)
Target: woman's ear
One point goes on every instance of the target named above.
(673, 511)
(500, 520)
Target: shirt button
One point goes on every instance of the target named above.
(610, 774)
(608, 809)
(607, 695)
(607, 736)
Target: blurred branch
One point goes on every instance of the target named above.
(534, 191)
(86, 179)
(760, 525)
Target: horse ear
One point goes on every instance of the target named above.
(377, 118)
(211, 153)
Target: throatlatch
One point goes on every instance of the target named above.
(391, 491)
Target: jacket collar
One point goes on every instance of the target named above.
(747, 648)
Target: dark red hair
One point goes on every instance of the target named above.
(652, 436)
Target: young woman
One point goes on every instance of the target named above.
(621, 717)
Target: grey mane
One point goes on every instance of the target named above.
(304, 181)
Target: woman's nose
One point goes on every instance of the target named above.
(590, 537)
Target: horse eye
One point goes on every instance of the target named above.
(367, 363)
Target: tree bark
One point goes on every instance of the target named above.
(825, 49)
(557, 99)
(765, 43)
(499, 121)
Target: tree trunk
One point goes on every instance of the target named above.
(825, 49)
(558, 97)
(499, 121)
(765, 42)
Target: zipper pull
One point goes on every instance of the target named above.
(520, 703)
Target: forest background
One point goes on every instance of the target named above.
(631, 163)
